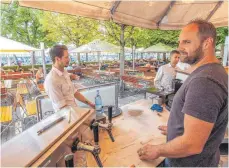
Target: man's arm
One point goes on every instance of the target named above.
(81, 98)
(190, 143)
(203, 100)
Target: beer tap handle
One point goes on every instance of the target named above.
(95, 127)
(110, 114)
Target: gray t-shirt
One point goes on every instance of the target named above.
(203, 95)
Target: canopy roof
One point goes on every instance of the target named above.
(10, 46)
(159, 48)
(97, 46)
(167, 15)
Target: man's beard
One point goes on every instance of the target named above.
(193, 58)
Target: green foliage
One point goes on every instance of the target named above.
(69, 29)
(31, 26)
(139, 37)
(222, 32)
(22, 24)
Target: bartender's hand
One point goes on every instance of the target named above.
(92, 105)
(148, 152)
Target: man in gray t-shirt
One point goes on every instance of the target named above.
(199, 113)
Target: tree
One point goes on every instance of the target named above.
(222, 32)
(69, 29)
(22, 24)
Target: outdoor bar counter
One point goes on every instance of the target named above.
(130, 130)
(136, 127)
(50, 147)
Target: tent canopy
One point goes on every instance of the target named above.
(10, 46)
(159, 48)
(97, 46)
(167, 15)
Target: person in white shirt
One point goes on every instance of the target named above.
(166, 73)
(58, 84)
(182, 66)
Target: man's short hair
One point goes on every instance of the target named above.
(57, 51)
(174, 52)
(206, 29)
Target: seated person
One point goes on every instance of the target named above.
(73, 76)
(40, 76)
(19, 68)
(166, 73)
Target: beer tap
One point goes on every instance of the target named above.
(108, 126)
(93, 149)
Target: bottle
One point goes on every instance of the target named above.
(98, 103)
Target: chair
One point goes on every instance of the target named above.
(6, 118)
(6, 112)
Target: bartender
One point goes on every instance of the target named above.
(58, 84)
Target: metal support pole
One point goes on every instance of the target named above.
(32, 60)
(42, 46)
(133, 52)
(225, 54)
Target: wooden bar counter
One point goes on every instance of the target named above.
(131, 131)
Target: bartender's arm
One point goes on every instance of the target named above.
(81, 98)
(200, 114)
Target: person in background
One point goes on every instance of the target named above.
(40, 76)
(199, 115)
(58, 84)
(182, 66)
(70, 67)
(19, 67)
(2, 70)
(166, 73)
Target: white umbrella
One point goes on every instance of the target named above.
(11, 46)
(168, 15)
(97, 46)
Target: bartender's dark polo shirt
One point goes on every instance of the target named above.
(203, 95)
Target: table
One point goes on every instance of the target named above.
(16, 76)
(104, 72)
(130, 133)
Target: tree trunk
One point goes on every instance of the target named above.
(164, 57)
(86, 57)
(78, 57)
(122, 57)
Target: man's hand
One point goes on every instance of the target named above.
(163, 129)
(148, 152)
(92, 105)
